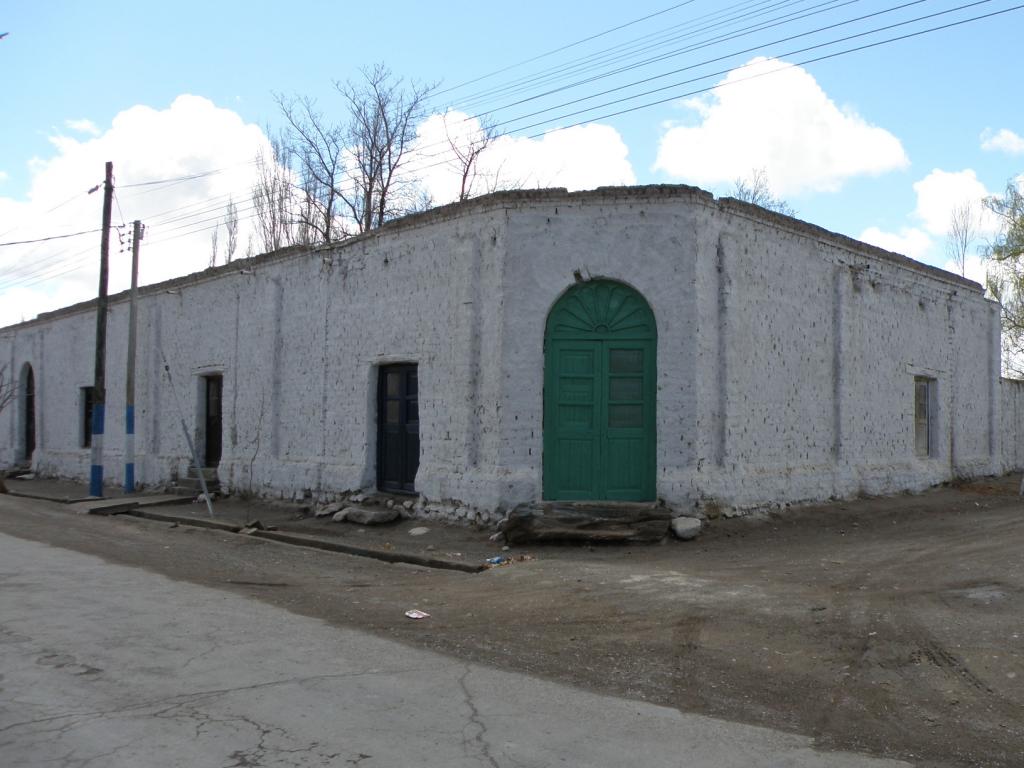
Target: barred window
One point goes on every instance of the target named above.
(924, 391)
(86, 399)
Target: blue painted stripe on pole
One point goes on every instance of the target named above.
(96, 481)
(129, 449)
(96, 471)
(97, 419)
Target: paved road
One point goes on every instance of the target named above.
(103, 665)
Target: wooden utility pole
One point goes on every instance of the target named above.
(99, 382)
(129, 386)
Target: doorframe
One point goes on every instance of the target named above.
(599, 333)
(381, 369)
(199, 432)
(22, 454)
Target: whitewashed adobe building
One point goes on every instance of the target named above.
(621, 344)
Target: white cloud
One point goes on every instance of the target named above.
(191, 136)
(1003, 140)
(784, 123)
(940, 192)
(582, 157)
(925, 239)
(909, 241)
(83, 126)
(3, 176)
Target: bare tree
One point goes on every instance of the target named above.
(231, 225)
(352, 172)
(318, 146)
(273, 196)
(756, 190)
(467, 149)
(8, 390)
(213, 245)
(962, 232)
(383, 112)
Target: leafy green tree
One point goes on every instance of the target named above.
(1005, 277)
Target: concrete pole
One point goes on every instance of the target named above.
(129, 387)
(99, 383)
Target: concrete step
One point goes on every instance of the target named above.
(191, 486)
(209, 473)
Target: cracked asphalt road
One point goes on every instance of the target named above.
(106, 665)
(889, 627)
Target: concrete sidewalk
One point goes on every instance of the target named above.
(417, 542)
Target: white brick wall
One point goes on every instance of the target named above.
(786, 355)
(1012, 423)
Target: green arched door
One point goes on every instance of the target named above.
(599, 395)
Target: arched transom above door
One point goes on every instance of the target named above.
(601, 309)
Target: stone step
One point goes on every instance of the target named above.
(601, 521)
(192, 487)
(209, 473)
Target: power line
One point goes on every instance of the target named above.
(42, 273)
(187, 177)
(779, 21)
(49, 211)
(51, 237)
(512, 120)
(194, 226)
(566, 47)
(774, 71)
(422, 150)
(726, 71)
(188, 217)
(636, 46)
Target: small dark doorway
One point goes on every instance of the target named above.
(398, 428)
(30, 413)
(214, 422)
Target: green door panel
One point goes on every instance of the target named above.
(599, 395)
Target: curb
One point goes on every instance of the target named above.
(196, 522)
(311, 542)
(301, 540)
(57, 499)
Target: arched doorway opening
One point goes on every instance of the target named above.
(28, 413)
(600, 345)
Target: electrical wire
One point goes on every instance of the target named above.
(193, 218)
(191, 223)
(187, 177)
(51, 237)
(513, 120)
(705, 44)
(722, 72)
(566, 47)
(837, 54)
(49, 211)
(624, 51)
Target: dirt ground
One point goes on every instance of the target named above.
(891, 626)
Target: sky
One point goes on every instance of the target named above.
(879, 143)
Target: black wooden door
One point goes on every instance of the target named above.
(214, 420)
(398, 428)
